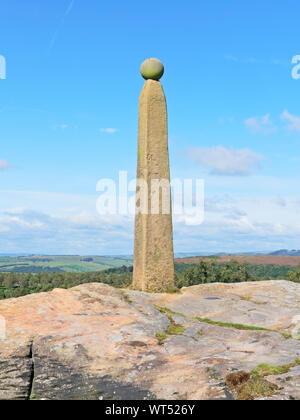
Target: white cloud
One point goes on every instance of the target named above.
(4, 164)
(28, 231)
(109, 130)
(260, 125)
(242, 223)
(233, 222)
(293, 120)
(226, 161)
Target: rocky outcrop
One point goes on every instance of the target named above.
(97, 342)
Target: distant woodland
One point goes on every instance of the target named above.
(20, 284)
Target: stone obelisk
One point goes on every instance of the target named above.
(153, 245)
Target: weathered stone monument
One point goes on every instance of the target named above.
(153, 245)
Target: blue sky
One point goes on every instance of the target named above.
(69, 109)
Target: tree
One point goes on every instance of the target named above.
(202, 273)
(294, 275)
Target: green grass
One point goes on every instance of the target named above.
(173, 329)
(240, 326)
(166, 311)
(161, 338)
(60, 263)
(267, 370)
(256, 388)
(247, 387)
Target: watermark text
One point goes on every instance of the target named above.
(153, 197)
(296, 68)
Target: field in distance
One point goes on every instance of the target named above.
(88, 264)
(292, 261)
(61, 264)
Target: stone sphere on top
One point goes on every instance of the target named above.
(152, 68)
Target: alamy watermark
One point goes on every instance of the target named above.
(296, 68)
(2, 328)
(153, 199)
(2, 67)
